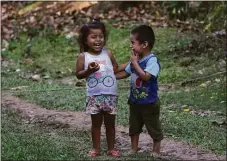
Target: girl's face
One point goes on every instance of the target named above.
(95, 40)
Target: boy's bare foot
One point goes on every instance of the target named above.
(156, 155)
(156, 147)
(132, 151)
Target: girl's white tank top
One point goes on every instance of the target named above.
(102, 81)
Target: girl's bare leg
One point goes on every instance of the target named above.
(96, 120)
(109, 121)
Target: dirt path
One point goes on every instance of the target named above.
(170, 148)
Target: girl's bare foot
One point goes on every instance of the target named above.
(114, 153)
(94, 153)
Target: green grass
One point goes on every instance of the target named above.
(166, 38)
(196, 130)
(55, 55)
(52, 55)
(176, 123)
(24, 141)
(212, 97)
(44, 94)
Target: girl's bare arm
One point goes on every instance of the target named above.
(122, 75)
(122, 67)
(80, 71)
(114, 62)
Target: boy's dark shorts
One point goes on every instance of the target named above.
(147, 114)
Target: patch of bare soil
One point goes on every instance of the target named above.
(171, 149)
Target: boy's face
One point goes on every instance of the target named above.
(136, 46)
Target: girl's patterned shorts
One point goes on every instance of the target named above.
(106, 103)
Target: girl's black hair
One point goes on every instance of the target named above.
(84, 30)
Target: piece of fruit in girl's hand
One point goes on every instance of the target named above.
(93, 64)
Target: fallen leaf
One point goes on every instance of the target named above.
(203, 85)
(79, 5)
(184, 106)
(186, 110)
(200, 72)
(36, 77)
(219, 123)
(28, 60)
(46, 77)
(217, 80)
(18, 87)
(29, 8)
(18, 70)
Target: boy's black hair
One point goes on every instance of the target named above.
(84, 30)
(144, 33)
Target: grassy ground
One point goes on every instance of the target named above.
(212, 97)
(54, 56)
(177, 124)
(22, 141)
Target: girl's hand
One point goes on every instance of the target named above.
(93, 67)
(134, 57)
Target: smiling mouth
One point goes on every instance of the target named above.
(97, 45)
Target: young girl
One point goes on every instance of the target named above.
(97, 66)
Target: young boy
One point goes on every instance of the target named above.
(143, 100)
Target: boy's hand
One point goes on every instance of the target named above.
(134, 57)
(93, 67)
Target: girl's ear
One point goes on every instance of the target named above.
(145, 44)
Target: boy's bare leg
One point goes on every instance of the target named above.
(96, 131)
(156, 148)
(134, 143)
(109, 121)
